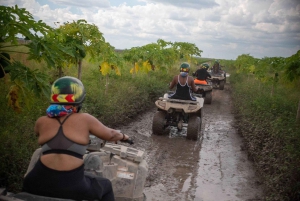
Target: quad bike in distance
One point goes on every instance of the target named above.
(178, 113)
(125, 167)
(218, 79)
(206, 91)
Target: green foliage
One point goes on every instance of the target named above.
(17, 21)
(136, 94)
(292, 69)
(244, 63)
(162, 54)
(17, 139)
(25, 82)
(14, 21)
(267, 123)
(187, 51)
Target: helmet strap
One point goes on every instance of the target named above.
(78, 108)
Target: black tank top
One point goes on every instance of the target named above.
(183, 92)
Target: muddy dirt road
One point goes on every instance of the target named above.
(215, 168)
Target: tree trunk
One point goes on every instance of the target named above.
(298, 113)
(79, 68)
(59, 71)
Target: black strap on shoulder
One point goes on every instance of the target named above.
(61, 123)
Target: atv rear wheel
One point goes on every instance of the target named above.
(158, 123)
(208, 97)
(193, 128)
(222, 83)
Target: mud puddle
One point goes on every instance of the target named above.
(215, 168)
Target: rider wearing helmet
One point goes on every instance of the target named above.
(202, 74)
(64, 136)
(216, 67)
(184, 84)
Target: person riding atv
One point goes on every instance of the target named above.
(180, 109)
(218, 76)
(201, 74)
(216, 67)
(184, 83)
(64, 137)
(203, 82)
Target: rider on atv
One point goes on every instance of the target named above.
(64, 137)
(216, 67)
(184, 83)
(202, 74)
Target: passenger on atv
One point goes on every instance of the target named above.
(216, 69)
(64, 136)
(201, 74)
(185, 85)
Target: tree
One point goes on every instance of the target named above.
(245, 63)
(187, 51)
(14, 22)
(83, 39)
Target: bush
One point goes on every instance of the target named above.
(268, 124)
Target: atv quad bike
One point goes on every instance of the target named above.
(123, 166)
(218, 79)
(206, 91)
(178, 113)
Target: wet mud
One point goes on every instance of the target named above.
(214, 168)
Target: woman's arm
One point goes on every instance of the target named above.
(192, 84)
(100, 130)
(173, 83)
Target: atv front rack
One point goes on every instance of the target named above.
(188, 106)
(178, 101)
(124, 152)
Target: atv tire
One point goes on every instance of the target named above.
(208, 97)
(158, 123)
(222, 83)
(193, 128)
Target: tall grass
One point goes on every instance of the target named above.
(267, 122)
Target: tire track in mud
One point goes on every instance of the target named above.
(172, 162)
(185, 170)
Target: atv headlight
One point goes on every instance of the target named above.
(162, 104)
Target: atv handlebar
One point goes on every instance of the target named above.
(129, 141)
(99, 143)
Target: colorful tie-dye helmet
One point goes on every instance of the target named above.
(67, 91)
(185, 67)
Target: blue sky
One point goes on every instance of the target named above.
(222, 29)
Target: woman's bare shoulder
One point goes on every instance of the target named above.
(87, 117)
(42, 118)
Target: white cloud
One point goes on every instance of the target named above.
(222, 29)
(81, 3)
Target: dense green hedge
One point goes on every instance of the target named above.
(267, 121)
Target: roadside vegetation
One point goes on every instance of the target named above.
(266, 100)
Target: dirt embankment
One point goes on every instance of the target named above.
(214, 168)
